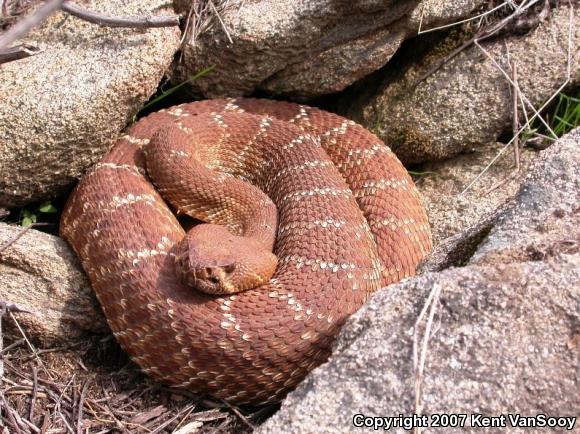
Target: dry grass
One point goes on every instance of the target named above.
(504, 18)
(524, 16)
(525, 106)
(93, 387)
(205, 14)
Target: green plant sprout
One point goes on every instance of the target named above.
(30, 216)
(174, 89)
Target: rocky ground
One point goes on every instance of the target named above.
(490, 325)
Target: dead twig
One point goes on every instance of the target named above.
(10, 414)
(58, 406)
(419, 358)
(12, 345)
(443, 62)
(17, 52)
(29, 424)
(516, 97)
(22, 27)
(30, 346)
(113, 21)
(187, 28)
(512, 83)
(34, 394)
(164, 424)
(237, 412)
(179, 427)
(217, 14)
(456, 23)
(80, 407)
(501, 183)
(516, 122)
(204, 13)
(526, 100)
(6, 307)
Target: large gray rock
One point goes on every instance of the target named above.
(505, 342)
(305, 48)
(62, 108)
(467, 103)
(41, 274)
(505, 333)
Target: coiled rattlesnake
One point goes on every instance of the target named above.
(348, 217)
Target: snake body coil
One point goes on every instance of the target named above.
(349, 221)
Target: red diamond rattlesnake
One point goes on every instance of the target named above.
(319, 169)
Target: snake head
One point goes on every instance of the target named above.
(212, 260)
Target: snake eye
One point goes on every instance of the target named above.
(229, 268)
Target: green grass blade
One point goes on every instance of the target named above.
(175, 88)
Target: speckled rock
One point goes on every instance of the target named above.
(306, 48)
(544, 220)
(505, 335)
(62, 108)
(467, 102)
(451, 210)
(461, 212)
(41, 274)
(506, 341)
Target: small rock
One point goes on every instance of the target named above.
(41, 274)
(62, 108)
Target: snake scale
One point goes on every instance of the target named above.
(339, 210)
